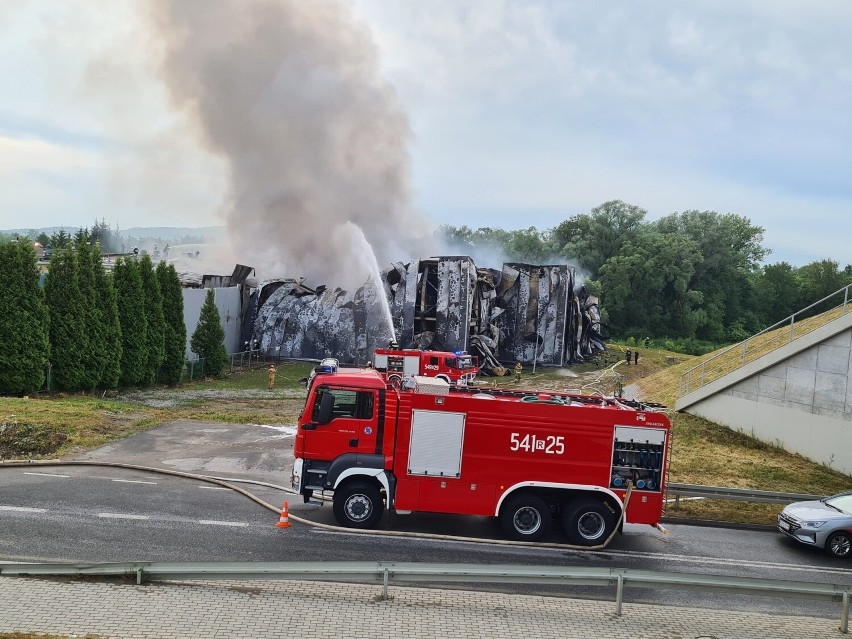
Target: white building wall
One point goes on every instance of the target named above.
(228, 303)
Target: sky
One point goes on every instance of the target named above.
(502, 113)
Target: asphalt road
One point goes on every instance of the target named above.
(96, 514)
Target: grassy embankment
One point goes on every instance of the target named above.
(708, 454)
(62, 424)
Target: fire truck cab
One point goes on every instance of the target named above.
(454, 368)
(531, 460)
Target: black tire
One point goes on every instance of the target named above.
(839, 544)
(525, 517)
(358, 504)
(587, 522)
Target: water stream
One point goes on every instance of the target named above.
(367, 260)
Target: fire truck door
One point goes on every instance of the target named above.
(352, 428)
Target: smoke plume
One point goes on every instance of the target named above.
(288, 93)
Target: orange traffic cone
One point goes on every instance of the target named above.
(284, 519)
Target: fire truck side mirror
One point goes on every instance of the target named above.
(325, 412)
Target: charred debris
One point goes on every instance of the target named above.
(523, 313)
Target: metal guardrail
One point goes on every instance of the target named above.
(738, 355)
(419, 573)
(736, 494)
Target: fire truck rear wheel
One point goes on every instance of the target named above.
(358, 504)
(525, 517)
(587, 522)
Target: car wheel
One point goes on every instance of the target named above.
(525, 518)
(839, 544)
(587, 522)
(358, 504)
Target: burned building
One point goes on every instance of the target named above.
(523, 312)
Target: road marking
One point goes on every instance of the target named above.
(121, 516)
(213, 488)
(24, 509)
(47, 474)
(629, 554)
(135, 481)
(210, 522)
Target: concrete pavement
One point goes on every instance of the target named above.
(254, 609)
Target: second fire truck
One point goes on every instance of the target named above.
(454, 368)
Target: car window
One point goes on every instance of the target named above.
(843, 502)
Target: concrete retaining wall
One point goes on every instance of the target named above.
(801, 399)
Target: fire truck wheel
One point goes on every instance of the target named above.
(525, 517)
(587, 522)
(358, 504)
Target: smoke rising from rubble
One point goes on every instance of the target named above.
(288, 93)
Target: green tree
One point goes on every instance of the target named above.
(175, 330)
(594, 239)
(208, 340)
(645, 288)
(488, 245)
(92, 348)
(110, 326)
(730, 248)
(24, 324)
(102, 234)
(818, 280)
(68, 328)
(776, 293)
(154, 316)
(60, 240)
(134, 324)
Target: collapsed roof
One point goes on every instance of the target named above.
(522, 312)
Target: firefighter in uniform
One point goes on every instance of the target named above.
(271, 377)
(518, 369)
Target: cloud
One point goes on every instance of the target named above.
(540, 110)
(514, 113)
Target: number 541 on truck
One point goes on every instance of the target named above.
(534, 461)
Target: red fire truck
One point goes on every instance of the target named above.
(529, 459)
(454, 368)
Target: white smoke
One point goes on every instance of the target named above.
(288, 94)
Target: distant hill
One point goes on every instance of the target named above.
(164, 233)
(175, 233)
